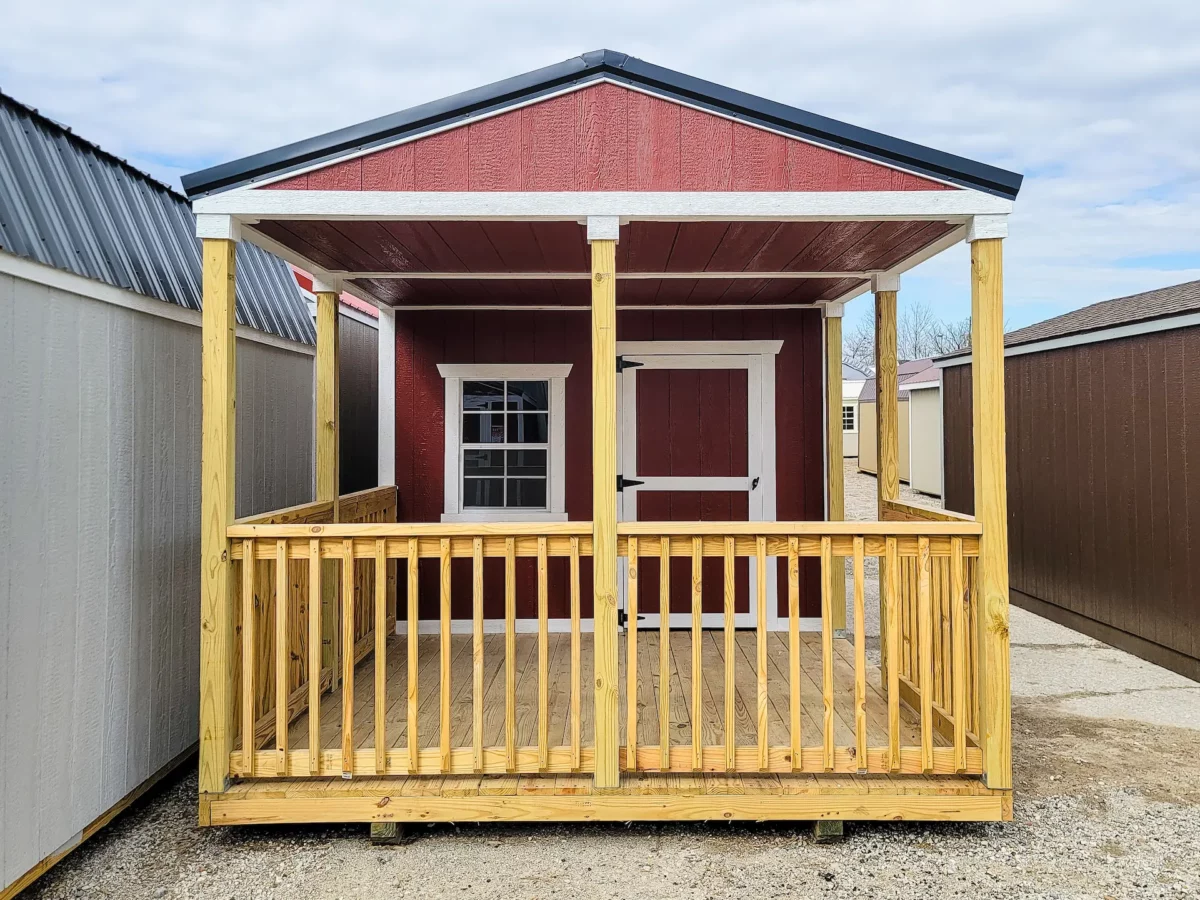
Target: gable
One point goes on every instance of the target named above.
(606, 137)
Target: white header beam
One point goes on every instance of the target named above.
(603, 228)
(218, 227)
(885, 282)
(986, 227)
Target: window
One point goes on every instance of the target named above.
(849, 413)
(504, 443)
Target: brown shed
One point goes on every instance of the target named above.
(1103, 436)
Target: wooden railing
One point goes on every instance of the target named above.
(902, 546)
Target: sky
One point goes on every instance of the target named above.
(1097, 103)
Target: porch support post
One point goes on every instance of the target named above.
(835, 475)
(217, 456)
(602, 234)
(991, 494)
(328, 433)
(887, 420)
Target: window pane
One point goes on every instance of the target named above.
(483, 462)
(529, 395)
(483, 428)
(483, 492)
(528, 428)
(482, 395)
(527, 493)
(527, 462)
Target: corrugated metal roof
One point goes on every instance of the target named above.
(67, 203)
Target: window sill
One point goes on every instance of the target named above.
(504, 515)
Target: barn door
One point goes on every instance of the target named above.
(692, 438)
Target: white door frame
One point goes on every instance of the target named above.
(758, 359)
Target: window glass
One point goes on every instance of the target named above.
(529, 395)
(483, 395)
(500, 420)
(848, 417)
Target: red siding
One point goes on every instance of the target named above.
(424, 339)
(608, 138)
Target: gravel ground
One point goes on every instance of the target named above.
(1107, 806)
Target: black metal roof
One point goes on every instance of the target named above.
(67, 203)
(620, 67)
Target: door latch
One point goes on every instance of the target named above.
(754, 483)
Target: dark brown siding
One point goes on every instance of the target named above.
(1103, 500)
(358, 399)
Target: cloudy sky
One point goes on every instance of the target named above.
(1097, 103)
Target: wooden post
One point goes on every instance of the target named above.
(328, 469)
(887, 419)
(991, 497)
(219, 375)
(602, 234)
(835, 475)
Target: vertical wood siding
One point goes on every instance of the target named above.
(99, 545)
(358, 405)
(424, 339)
(1104, 502)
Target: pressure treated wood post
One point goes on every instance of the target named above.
(328, 474)
(602, 234)
(835, 474)
(991, 495)
(218, 418)
(887, 419)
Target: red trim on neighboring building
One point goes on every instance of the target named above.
(305, 281)
(606, 137)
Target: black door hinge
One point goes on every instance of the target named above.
(623, 483)
(623, 364)
(623, 618)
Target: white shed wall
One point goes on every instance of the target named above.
(99, 544)
(925, 440)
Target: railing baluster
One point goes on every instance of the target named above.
(664, 654)
(631, 682)
(543, 672)
(347, 658)
(793, 571)
(444, 635)
(827, 649)
(314, 657)
(248, 717)
(730, 659)
(925, 652)
(477, 650)
(760, 551)
(576, 671)
(958, 668)
(414, 623)
(947, 636)
(892, 604)
(860, 660)
(697, 657)
(381, 638)
(283, 657)
(510, 654)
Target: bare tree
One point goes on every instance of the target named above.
(858, 347)
(919, 334)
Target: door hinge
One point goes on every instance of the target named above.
(623, 364)
(623, 618)
(623, 483)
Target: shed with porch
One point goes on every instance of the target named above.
(610, 302)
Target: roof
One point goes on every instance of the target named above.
(67, 203)
(917, 371)
(1161, 303)
(849, 373)
(624, 69)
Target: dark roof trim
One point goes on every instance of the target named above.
(621, 68)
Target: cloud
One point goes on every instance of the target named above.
(1098, 102)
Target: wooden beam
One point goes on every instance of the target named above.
(604, 507)
(835, 476)
(887, 425)
(328, 469)
(991, 508)
(219, 362)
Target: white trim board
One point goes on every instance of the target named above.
(386, 394)
(514, 307)
(790, 206)
(1133, 329)
(741, 275)
(699, 348)
(91, 289)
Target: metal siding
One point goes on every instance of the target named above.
(99, 542)
(66, 203)
(358, 404)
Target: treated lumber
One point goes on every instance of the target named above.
(835, 488)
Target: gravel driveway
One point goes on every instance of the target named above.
(1107, 805)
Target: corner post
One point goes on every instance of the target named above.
(986, 235)
(219, 236)
(887, 419)
(835, 475)
(328, 468)
(602, 234)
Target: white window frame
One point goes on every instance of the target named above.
(854, 407)
(556, 487)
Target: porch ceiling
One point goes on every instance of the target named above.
(848, 250)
